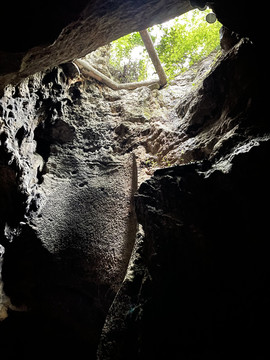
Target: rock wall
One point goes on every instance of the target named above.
(71, 156)
(68, 221)
(195, 284)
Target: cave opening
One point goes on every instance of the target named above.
(126, 61)
(179, 42)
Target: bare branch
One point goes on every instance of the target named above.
(89, 71)
(154, 56)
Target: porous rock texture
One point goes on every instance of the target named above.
(75, 217)
(196, 287)
(77, 276)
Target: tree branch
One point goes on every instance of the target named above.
(89, 71)
(154, 56)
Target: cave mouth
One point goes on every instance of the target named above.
(179, 43)
(203, 42)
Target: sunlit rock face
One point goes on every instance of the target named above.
(68, 223)
(197, 283)
(72, 154)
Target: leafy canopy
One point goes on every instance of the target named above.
(179, 43)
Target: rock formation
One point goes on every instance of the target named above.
(92, 264)
(196, 286)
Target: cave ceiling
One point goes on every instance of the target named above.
(36, 36)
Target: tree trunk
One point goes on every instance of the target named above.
(89, 71)
(154, 56)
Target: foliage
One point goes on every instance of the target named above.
(186, 43)
(179, 44)
(131, 71)
(127, 69)
(125, 45)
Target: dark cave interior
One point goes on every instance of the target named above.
(93, 265)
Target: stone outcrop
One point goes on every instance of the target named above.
(196, 286)
(199, 279)
(71, 151)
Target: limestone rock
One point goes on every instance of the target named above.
(199, 268)
(200, 271)
(199, 284)
(67, 208)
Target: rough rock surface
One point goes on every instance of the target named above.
(197, 282)
(70, 153)
(67, 208)
(196, 286)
